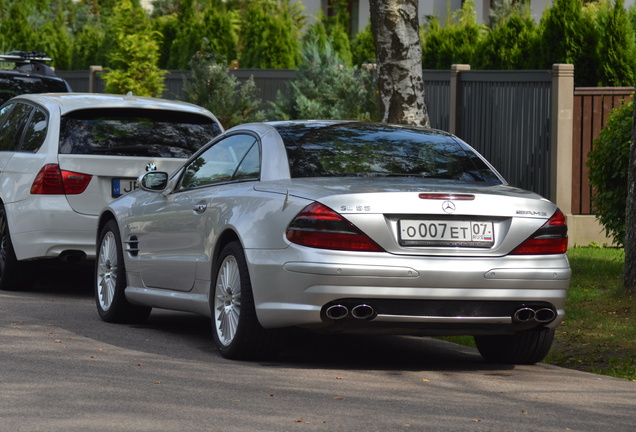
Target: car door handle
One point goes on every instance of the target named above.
(200, 208)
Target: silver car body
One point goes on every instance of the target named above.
(172, 239)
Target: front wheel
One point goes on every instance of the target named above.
(110, 283)
(237, 332)
(525, 347)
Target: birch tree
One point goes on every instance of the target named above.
(395, 28)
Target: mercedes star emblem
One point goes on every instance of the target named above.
(448, 207)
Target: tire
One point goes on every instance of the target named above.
(237, 333)
(526, 347)
(14, 274)
(110, 280)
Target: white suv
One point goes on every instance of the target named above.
(64, 156)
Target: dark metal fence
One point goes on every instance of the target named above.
(505, 115)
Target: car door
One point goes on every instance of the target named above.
(180, 229)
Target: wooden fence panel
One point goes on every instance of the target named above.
(592, 107)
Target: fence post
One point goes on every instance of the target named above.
(561, 137)
(92, 78)
(454, 116)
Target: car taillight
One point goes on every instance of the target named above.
(53, 181)
(551, 238)
(318, 226)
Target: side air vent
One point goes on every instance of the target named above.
(132, 246)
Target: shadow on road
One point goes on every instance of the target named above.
(299, 349)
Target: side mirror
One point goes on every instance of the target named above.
(153, 181)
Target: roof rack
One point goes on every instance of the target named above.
(29, 61)
(24, 57)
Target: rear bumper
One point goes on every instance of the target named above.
(48, 227)
(424, 295)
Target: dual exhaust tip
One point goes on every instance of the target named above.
(362, 312)
(528, 314)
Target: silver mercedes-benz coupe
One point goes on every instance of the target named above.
(338, 226)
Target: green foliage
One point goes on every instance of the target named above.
(616, 43)
(453, 43)
(510, 43)
(270, 35)
(213, 87)
(55, 40)
(16, 29)
(325, 89)
(608, 163)
(568, 36)
(134, 58)
(363, 47)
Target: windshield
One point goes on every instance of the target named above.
(135, 132)
(379, 150)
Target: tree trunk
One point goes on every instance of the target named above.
(395, 28)
(629, 268)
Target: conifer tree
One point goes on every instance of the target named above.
(616, 43)
(270, 36)
(133, 61)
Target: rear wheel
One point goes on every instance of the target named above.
(14, 275)
(110, 283)
(525, 347)
(237, 332)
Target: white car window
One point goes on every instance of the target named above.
(34, 132)
(12, 126)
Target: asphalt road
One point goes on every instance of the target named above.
(63, 369)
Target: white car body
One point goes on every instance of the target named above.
(54, 225)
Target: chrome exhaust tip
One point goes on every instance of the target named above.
(524, 314)
(363, 311)
(545, 315)
(337, 312)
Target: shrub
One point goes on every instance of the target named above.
(326, 89)
(270, 36)
(616, 42)
(133, 61)
(455, 42)
(510, 42)
(608, 163)
(214, 88)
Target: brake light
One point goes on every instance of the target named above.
(318, 226)
(551, 238)
(53, 181)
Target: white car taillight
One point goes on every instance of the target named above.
(318, 226)
(53, 181)
(551, 238)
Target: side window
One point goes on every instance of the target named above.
(34, 132)
(233, 158)
(12, 125)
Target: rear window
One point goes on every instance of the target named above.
(14, 85)
(376, 150)
(135, 132)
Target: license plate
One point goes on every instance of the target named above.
(123, 186)
(456, 233)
